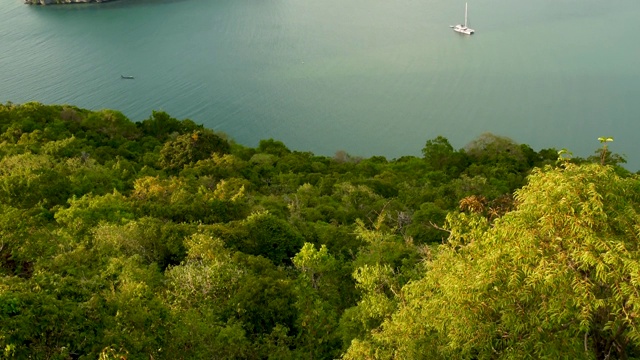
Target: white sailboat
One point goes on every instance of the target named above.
(463, 29)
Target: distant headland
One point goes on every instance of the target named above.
(55, 2)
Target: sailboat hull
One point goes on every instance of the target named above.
(463, 29)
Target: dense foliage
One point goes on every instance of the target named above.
(165, 240)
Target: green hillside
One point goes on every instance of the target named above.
(162, 239)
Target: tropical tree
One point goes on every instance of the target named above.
(189, 148)
(440, 156)
(317, 292)
(558, 277)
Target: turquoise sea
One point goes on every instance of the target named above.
(371, 77)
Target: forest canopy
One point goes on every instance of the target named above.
(162, 239)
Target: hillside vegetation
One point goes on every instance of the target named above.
(162, 239)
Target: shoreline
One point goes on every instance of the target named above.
(62, 2)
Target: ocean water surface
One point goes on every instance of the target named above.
(370, 77)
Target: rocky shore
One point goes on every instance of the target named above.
(54, 2)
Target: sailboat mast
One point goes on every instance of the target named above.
(465, 14)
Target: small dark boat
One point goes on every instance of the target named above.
(126, 77)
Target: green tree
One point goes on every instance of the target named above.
(112, 125)
(270, 237)
(153, 240)
(189, 148)
(317, 293)
(198, 292)
(440, 156)
(605, 157)
(273, 147)
(383, 265)
(86, 212)
(161, 125)
(556, 278)
(28, 179)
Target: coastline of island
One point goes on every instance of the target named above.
(62, 2)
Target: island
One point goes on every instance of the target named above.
(55, 2)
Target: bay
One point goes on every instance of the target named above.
(371, 77)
